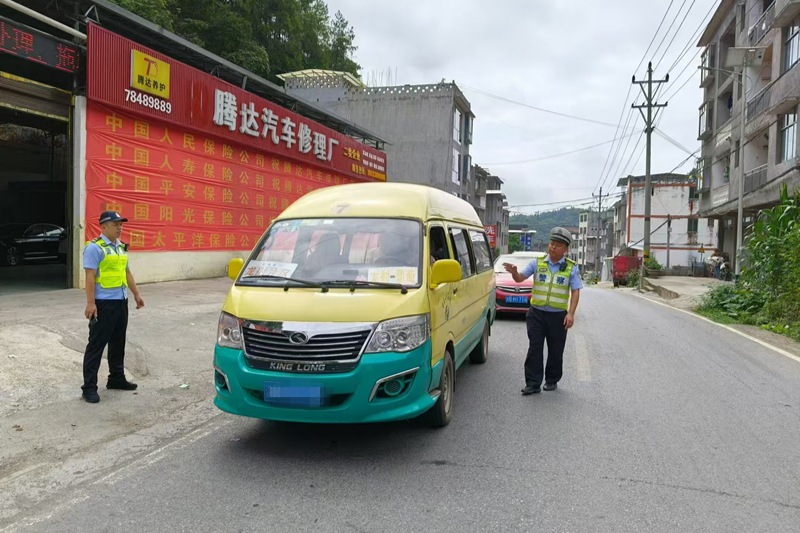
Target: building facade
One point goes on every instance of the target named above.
(574, 247)
(588, 240)
(497, 213)
(197, 153)
(677, 232)
(428, 128)
(770, 143)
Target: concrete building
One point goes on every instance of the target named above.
(770, 144)
(674, 202)
(428, 128)
(588, 241)
(497, 213)
(574, 248)
(620, 224)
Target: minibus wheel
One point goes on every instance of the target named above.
(440, 414)
(481, 351)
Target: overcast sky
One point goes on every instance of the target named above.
(574, 57)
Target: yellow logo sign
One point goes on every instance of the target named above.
(149, 74)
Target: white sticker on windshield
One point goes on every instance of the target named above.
(402, 275)
(269, 268)
(310, 222)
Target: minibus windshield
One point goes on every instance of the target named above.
(376, 252)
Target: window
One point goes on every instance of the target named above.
(457, 126)
(468, 124)
(458, 239)
(791, 47)
(694, 193)
(742, 17)
(692, 225)
(483, 256)
(467, 166)
(438, 244)
(788, 136)
(339, 250)
(456, 166)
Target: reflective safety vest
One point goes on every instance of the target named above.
(551, 289)
(111, 270)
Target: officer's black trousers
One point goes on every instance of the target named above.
(110, 329)
(549, 326)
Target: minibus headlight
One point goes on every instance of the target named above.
(229, 332)
(400, 334)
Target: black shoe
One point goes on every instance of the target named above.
(91, 397)
(530, 389)
(123, 384)
(550, 386)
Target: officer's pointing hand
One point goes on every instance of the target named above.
(91, 310)
(512, 269)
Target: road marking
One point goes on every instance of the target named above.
(584, 371)
(158, 454)
(725, 326)
(120, 474)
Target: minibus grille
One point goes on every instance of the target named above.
(322, 347)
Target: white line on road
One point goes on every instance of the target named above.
(724, 326)
(584, 370)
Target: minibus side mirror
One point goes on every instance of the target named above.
(234, 267)
(445, 271)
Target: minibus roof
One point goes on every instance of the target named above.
(382, 200)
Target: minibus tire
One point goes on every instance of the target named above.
(440, 414)
(481, 351)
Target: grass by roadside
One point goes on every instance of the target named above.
(739, 304)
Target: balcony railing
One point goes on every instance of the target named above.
(760, 29)
(755, 178)
(759, 103)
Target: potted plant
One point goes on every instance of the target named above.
(653, 268)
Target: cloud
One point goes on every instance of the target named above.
(574, 57)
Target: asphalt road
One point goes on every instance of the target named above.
(662, 422)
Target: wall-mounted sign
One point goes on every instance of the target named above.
(39, 47)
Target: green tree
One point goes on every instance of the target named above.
(342, 38)
(514, 244)
(268, 37)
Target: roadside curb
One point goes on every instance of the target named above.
(765, 344)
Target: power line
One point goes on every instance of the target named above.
(676, 32)
(556, 155)
(654, 37)
(628, 94)
(688, 45)
(664, 38)
(543, 110)
(616, 153)
(577, 201)
(672, 141)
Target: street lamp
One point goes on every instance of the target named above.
(742, 57)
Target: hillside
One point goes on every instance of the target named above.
(544, 222)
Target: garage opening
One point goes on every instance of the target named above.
(35, 202)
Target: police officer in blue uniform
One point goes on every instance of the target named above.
(108, 279)
(554, 300)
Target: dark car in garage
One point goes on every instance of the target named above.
(32, 243)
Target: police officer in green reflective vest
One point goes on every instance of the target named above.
(108, 279)
(554, 299)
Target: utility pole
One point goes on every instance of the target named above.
(649, 120)
(669, 234)
(597, 268)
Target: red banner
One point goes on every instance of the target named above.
(176, 94)
(491, 234)
(184, 191)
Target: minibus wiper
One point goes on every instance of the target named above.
(286, 285)
(361, 283)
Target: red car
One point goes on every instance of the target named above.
(510, 296)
